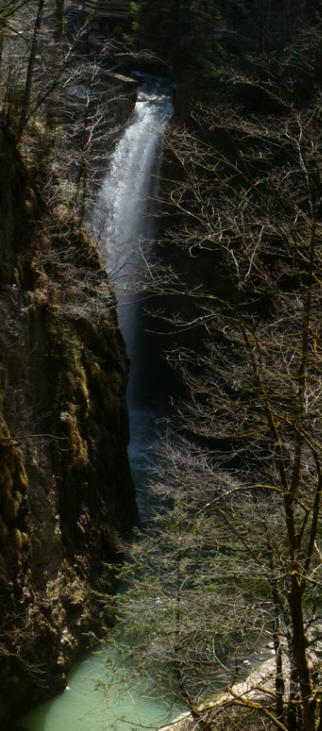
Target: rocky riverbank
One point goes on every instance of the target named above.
(249, 703)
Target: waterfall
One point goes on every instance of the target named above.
(124, 216)
(124, 223)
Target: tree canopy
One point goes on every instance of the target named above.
(232, 560)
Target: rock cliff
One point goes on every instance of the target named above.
(66, 495)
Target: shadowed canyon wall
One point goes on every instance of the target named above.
(66, 494)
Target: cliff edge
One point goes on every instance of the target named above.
(66, 494)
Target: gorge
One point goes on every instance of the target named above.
(124, 226)
(231, 557)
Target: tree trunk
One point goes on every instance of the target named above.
(299, 649)
(30, 69)
(57, 61)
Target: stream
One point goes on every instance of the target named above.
(123, 223)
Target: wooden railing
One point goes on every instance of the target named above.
(108, 8)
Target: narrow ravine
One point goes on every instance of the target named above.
(124, 221)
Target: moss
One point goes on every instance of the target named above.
(94, 368)
(83, 387)
(3, 382)
(116, 382)
(6, 480)
(70, 381)
(78, 445)
(73, 385)
(3, 530)
(23, 479)
(20, 539)
(13, 482)
(81, 527)
(12, 508)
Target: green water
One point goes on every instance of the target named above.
(98, 699)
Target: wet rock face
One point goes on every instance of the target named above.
(66, 494)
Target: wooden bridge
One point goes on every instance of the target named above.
(109, 9)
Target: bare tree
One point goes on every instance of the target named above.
(234, 558)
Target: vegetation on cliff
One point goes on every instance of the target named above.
(66, 494)
(232, 562)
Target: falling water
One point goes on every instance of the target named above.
(124, 216)
(124, 225)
